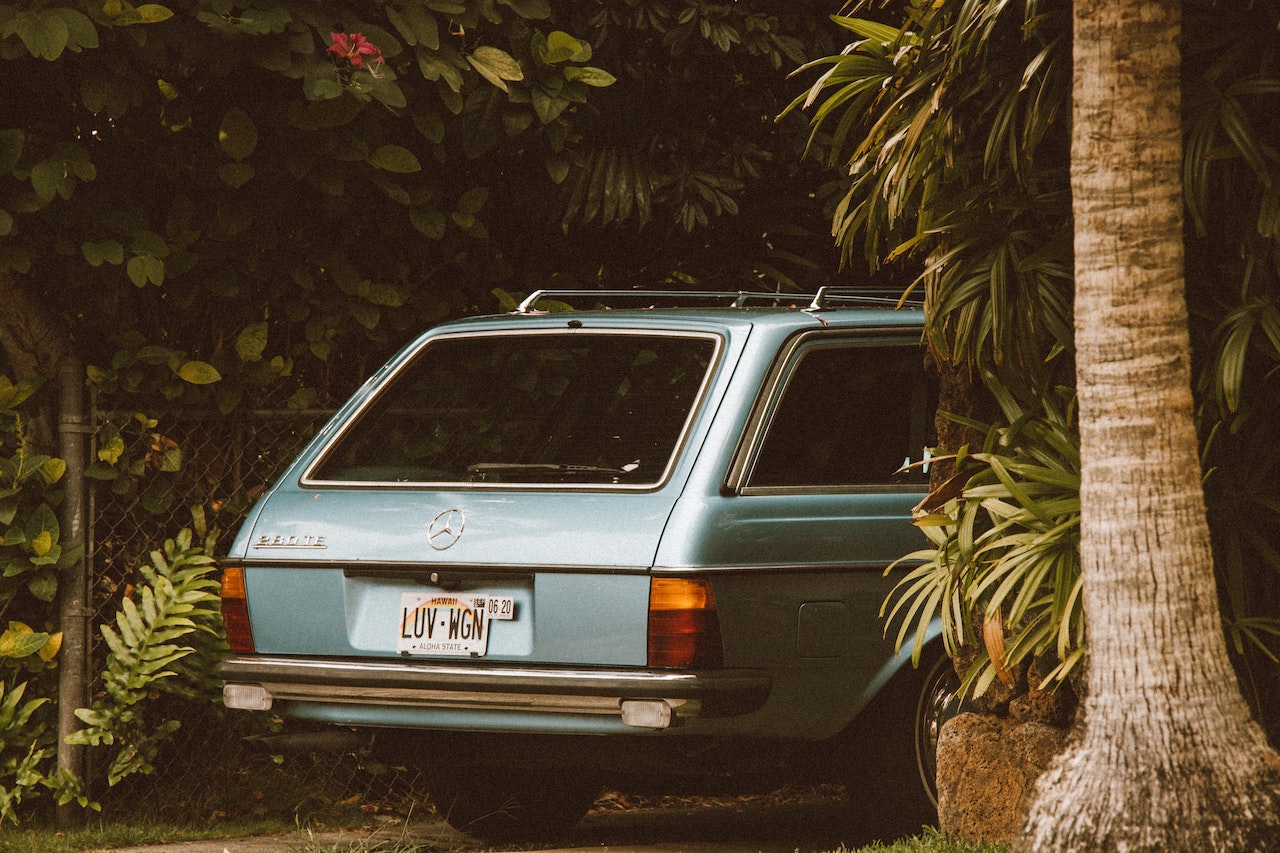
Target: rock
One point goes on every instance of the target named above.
(995, 700)
(1054, 709)
(987, 767)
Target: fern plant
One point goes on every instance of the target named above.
(177, 600)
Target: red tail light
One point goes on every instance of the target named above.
(684, 628)
(235, 611)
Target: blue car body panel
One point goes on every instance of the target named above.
(797, 574)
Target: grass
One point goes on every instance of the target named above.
(929, 841)
(105, 835)
(297, 835)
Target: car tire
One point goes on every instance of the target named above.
(501, 805)
(891, 776)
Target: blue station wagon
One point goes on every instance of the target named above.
(642, 544)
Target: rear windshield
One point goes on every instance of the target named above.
(559, 408)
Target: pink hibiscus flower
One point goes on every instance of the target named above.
(354, 48)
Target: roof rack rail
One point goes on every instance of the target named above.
(827, 298)
(832, 296)
(672, 298)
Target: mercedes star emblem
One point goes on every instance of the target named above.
(445, 529)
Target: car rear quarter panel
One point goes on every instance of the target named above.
(799, 582)
(799, 577)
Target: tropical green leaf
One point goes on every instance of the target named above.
(237, 135)
(1007, 546)
(562, 47)
(199, 373)
(154, 13)
(416, 25)
(236, 175)
(395, 158)
(496, 66)
(49, 179)
(11, 145)
(44, 32)
(429, 221)
(81, 33)
(19, 641)
(547, 107)
(881, 33)
(145, 269)
(252, 342)
(436, 67)
(597, 77)
(44, 586)
(105, 251)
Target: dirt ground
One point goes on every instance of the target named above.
(809, 821)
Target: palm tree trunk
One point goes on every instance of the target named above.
(29, 334)
(1168, 757)
(32, 346)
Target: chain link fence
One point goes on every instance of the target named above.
(207, 768)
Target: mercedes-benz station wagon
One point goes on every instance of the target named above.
(639, 544)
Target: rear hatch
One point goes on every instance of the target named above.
(497, 494)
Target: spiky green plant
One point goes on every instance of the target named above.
(951, 127)
(1004, 550)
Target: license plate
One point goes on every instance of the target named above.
(450, 624)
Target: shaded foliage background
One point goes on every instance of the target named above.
(216, 215)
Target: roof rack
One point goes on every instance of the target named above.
(833, 297)
(670, 298)
(825, 299)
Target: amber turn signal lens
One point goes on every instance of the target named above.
(235, 611)
(684, 628)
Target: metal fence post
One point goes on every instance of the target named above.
(74, 429)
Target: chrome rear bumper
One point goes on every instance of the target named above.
(642, 698)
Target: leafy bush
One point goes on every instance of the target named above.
(32, 554)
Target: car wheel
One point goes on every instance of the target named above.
(892, 771)
(937, 703)
(511, 805)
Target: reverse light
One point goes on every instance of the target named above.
(684, 628)
(235, 611)
(647, 713)
(246, 697)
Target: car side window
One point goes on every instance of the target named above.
(848, 415)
